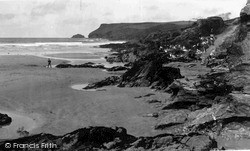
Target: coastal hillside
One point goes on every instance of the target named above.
(131, 31)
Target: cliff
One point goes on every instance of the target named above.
(131, 31)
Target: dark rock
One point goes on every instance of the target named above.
(5, 119)
(149, 72)
(85, 65)
(211, 25)
(245, 14)
(114, 58)
(148, 95)
(128, 64)
(178, 105)
(65, 66)
(117, 68)
(188, 38)
(173, 118)
(155, 115)
(153, 101)
(201, 142)
(83, 139)
(214, 84)
(162, 142)
(78, 36)
(113, 80)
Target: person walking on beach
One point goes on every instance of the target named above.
(49, 63)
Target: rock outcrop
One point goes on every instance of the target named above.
(245, 13)
(110, 81)
(85, 65)
(78, 36)
(150, 72)
(5, 120)
(115, 139)
(201, 28)
(117, 68)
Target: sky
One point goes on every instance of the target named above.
(63, 18)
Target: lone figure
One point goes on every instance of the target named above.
(49, 63)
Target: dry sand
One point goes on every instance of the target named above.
(45, 95)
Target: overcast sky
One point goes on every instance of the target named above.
(63, 18)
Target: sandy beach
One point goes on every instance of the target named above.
(45, 95)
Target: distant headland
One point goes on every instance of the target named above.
(78, 36)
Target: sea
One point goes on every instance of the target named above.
(74, 50)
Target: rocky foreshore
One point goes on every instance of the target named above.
(212, 104)
(85, 65)
(105, 138)
(92, 65)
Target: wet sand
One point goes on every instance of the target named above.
(19, 121)
(45, 95)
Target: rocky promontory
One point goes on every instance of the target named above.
(78, 36)
(129, 31)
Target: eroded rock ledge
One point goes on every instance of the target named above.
(105, 138)
(92, 65)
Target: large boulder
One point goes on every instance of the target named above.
(113, 80)
(245, 13)
(211, 25)
(149, 71)
(5, 119)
